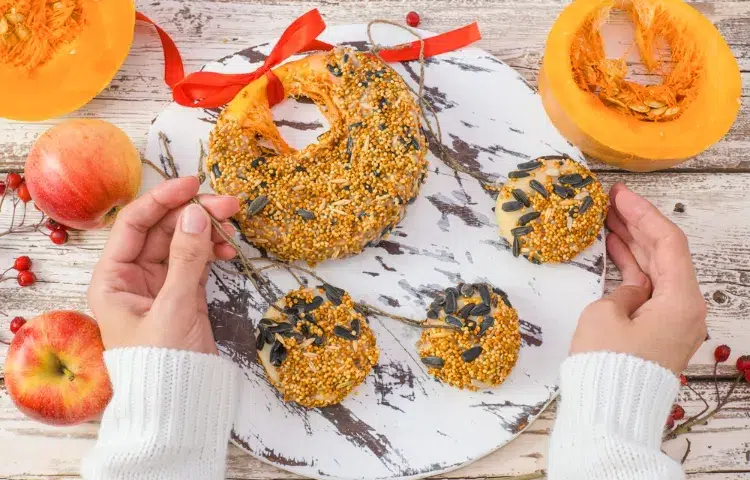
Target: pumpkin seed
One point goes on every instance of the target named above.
(654, 103)
(657, 112)
(639, 107)
(615, 101)
(671, 111)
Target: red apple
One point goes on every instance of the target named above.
(55, 370)
(81, 172)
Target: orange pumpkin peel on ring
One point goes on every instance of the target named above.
(630, 125)
(56, 55)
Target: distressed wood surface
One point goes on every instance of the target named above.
(713, 186)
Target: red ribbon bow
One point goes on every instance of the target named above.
(211, 89)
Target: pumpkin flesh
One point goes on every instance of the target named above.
(56, 55)
(633, 126)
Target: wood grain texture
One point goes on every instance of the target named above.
(713, 187)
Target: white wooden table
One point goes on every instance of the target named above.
(715, 189)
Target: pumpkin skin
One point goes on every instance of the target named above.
(77, 70)
(624, 140)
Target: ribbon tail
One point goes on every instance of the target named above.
(439, 44)
(174, 70)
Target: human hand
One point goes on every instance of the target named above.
(149, 287)
(658, 312)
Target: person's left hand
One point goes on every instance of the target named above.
(149, 287)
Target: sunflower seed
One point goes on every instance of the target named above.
(266, 322)
(563, 192)
(465, 311)
(521, 196)
(506, 301)
(292, 334)
(512, 206)
(486, 323)
(516, 247)
(344, 333)
(433, 362)
(305, 330)
(570, 179)
(257, 205)
(470, 324)
(585, 182)
(450, 302)
(471, 354)
(453, 321)
(281, 327)
(278, 354)
(534, 259)
(481, 309)
(467, 290)
(356, 326)
(306, 214)
(585, 205)
(355, 125)
(216, 171)
(318, 340)
(439, 300)
(532, 165)
(517, 174)
(528, 217)
(335, 70)
(258, 162)
(538, 188)
(260, 342)
(333, 294)
(484, 293)
(314, 303)
(521, 231)
(432, 314)
(267, 335)
(435, 306)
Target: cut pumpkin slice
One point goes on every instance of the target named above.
(633, 126)
(56, 55)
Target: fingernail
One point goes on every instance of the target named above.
(194, 219)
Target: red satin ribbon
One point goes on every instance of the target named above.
(211, 89)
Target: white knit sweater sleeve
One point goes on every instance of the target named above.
(610, 420)
(169, 417)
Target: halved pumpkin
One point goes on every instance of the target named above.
(56, 55)
(623, 123)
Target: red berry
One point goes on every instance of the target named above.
(2, 187)
(14, 180)
(23, 193)
(16, 324)
(54, 225)
(678, 413)
(22, 263)
(26, 278)
(683, 379)
(743, 363)
(58, 237)
(722, 353)
(412, 19)
(670, 423)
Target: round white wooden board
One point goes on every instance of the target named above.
(402, 423)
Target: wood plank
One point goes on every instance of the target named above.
(210, 30)
(715, 221)
(32, 449)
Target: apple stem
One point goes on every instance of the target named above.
(71, 376)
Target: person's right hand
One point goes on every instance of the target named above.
(658, 312)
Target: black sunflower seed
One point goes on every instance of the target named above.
(499, 292)
(258, 162)
(521, 196)
(356, 326)
(334, 294)
(267, 335)
(538, 188)
(587, 203)
(439, 300)
(521, 231)
(346, 57)
(433, 362)
(292, 334)
(467, 289)
(215, 169)
(512, 206)
(305, 330)
(450, 302)
(278, 354)
(453, 321)
(518, 174)
(570, 179)
(465, 311)
(344, 333)
(572, 212)
(257, 205)
(528, 217)
(471, 354)
(479, 310)
(453, 290)
(486, 323)
(335, 70)
(349, 146)
(318, 340)
(383, 102)
(534, 259)
(585, 182)
(516, 247)
(355, 125)
(292, 310)
(260, 342)
(383, 126)
(281, 327)
(306, 214)
(563, 192)
(507, 302)
(532, 165)
(415, 144)
(470, 324)
(484, 293)
(266, 322)
(314, 303)
(432, 314)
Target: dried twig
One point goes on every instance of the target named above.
(687, 451)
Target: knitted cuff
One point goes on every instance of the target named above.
(618, 394)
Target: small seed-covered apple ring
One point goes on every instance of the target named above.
(551, 209)
(481, 348)
(335, 196)
(316, 348)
